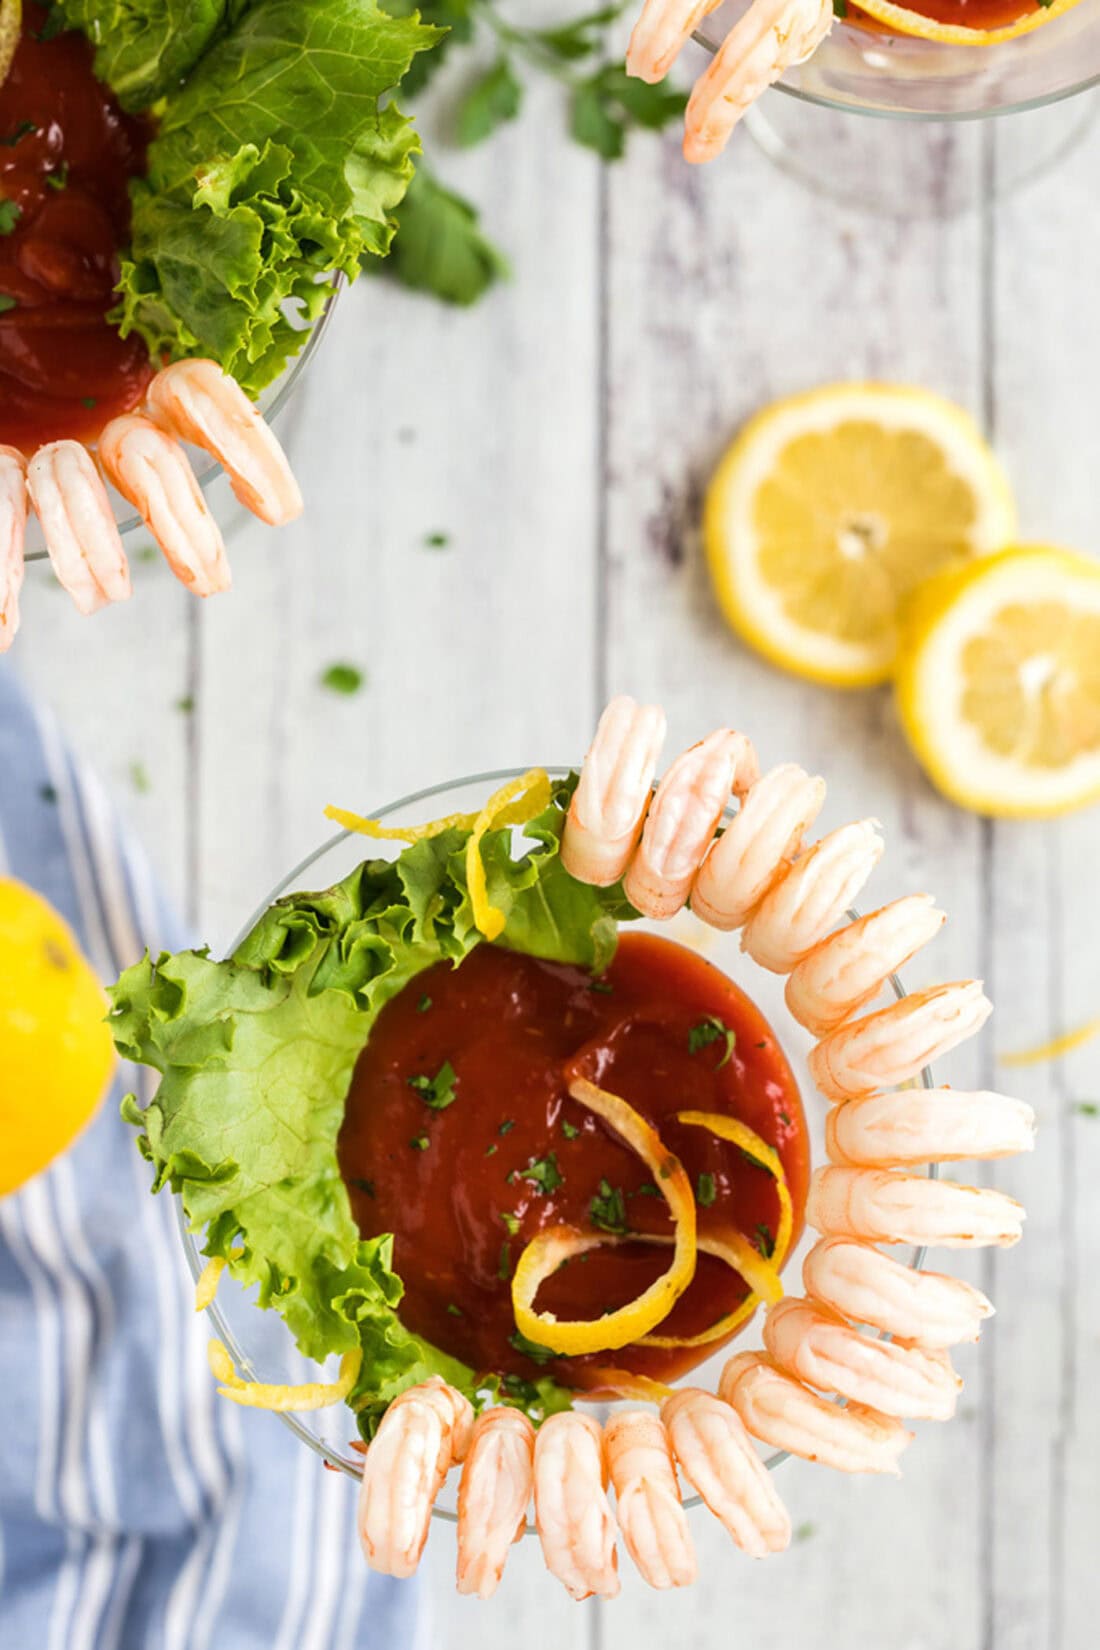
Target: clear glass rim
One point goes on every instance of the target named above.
(287, 884)
(1024, 105)
(285, 385)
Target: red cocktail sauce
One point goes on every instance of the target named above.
(966, 14)
(67, 154)
(451, 1183)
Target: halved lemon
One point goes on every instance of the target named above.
(998, 682)
(900, 20)
(831, 507)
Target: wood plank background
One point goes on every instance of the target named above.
(560, 435)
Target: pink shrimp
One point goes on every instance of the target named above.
(150, 469)
(612, 795)
(493, 1496)
(13, 522)
(647, 1499)
(421, 1436)
(78, 525)
(717, 1457)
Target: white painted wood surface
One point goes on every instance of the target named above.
(560, 435)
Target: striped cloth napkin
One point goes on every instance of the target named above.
(138, 1510)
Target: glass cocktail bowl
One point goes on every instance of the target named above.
(259, 1342)
(208, 472)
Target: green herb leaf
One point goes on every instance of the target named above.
(646, 1189)
(420, 1142)
(59, 177)
(712, 1030)
(342, 678)
(7, 303)
(607, 1210)
(455, 1311)
(491, 1151)
(21, 131)
(362, 1185)
(570, 1130)
(139, 777)
(440, 247)
(437, 541)
(706, 1190)
(504, 1265)
(764, 1240)
(507, 1126)
(438, 1092)
(531, 1349)
(492, 99)
(544, 1173)
(10, 214)
(608, 102)
(424, 1004)
(186, 705)
(581, 37)
(511, 1222)
(1086, 1108)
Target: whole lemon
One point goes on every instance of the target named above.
(56, 1054)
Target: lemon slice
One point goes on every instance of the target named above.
(830, 507)
(11, 24)
(900, 20)
(999, 682)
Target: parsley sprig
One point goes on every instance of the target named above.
(712, 1030)
(437, 1092)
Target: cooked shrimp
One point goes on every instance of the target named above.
(718, 1459)
(895, 1044)
(659, 34)
(780, 1411)
(924, 1308)
(78, 525)
(572, 1513)
(798, 911)
(849, 968)
(609, 804)
(493, 1495)
(756, 846)
(910, 1208)
(770, 38)
(150, 469)
(13, 523)
(421, 1436)
(647, 1499)
(913, 1126)
(682, 819)
(200, 403)
(815, 1343)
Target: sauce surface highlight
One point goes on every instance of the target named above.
(67, 154)
(465, 1187)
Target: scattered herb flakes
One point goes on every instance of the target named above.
(507, 1126)
(706, 1190)
(59, 177)
(148, 552)
(342, 678)
(786, 1119)
(491, 1151)
(504, 1265)
(511, 1222)
(510, 1177)
(88, 401)
(544, 1173)
(419, 1142)
(570, 1130)
(764, 1240)
(7, 302)
(186, 705)
(362, 1185)
(665, 1171)
(607, 1210)
(436, 541)
(803, 1532)
(1086, 1108)
(139, 777)
(531, 1349)
(10, 214)
(646, 1189)
(755, 1161)
(604, 987)
(438, 1092)
(48, 793)
(24, 128)
(424, 1004)
(455, 1311)
(712, 1030)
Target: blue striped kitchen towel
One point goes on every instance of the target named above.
(139, 1511)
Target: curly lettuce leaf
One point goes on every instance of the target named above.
(256, 1053)
(143, 48)
(275, 163)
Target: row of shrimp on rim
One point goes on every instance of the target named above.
(142, 455)
(787, 899)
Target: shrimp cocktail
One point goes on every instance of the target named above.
(769, 37)
(180, 187)
(471, 1122)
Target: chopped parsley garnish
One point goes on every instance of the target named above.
(803, 1532)
(784, 1117)
(10, 213)
(47, 793)
(706, 1191)
(511, 1222)
(507, 1126)
(455, 1311)
(437, 541)
(607, 1209)
(361, 1185)
(185, 705)
(21, 131)
(570, 1130)
(419, 1142)
(755, 1161)
(1086, 1108)
(7, 302)
(491, 1151)
(544, 1172)
(438, 1092)
(646, 1189)
(604, 987)
(59, 177)
(504, 1266)
(712, 1030)
(139, 777)
(342, 678)
(764, 1240)
(531, 1349)
(424, 1004)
